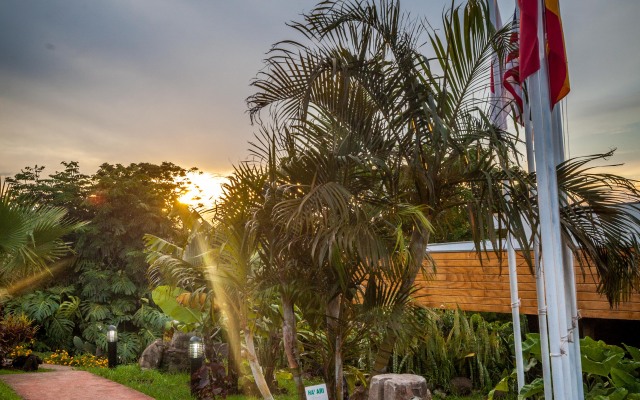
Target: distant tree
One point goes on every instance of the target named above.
(108, 283)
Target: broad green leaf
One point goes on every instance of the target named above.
(532, 389)
(165, 298)
(617, 394)
(633, 351)
(502, 386)
(531, 346)
(622, 379)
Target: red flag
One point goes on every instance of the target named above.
(529, 57)
(511, 78)
(556, 53)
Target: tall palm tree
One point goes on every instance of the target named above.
(429, 116)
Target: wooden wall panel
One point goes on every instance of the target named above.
(461, 281)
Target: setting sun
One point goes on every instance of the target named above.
(203, 190)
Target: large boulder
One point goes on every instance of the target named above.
(176, 354)
(152, 356)
(399, 387)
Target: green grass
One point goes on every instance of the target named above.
(6, 393)
(164, 386)
(160, 386)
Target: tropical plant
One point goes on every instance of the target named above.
(32, 237)
(454, 344)
(609, 372)
(217, 263)
(15, 330)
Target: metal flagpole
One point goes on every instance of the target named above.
(539, 268)
(573, 334)
(549, 220)
(498, 116)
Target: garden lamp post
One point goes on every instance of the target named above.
(112, 346)
(196, 354)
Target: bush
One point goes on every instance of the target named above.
(15, 330)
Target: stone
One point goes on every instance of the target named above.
(399, 387)
(176, 355)
(461, 386)
(27, 363)
(152, 356)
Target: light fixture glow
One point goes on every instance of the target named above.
(112, 334)
(196, 348)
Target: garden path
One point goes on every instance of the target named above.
(65, 383)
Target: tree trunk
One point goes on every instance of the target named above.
(417, 249)
(333, 323)
(254, 363)
(289, 340)
(233, 341)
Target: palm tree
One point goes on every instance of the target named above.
(219, 260)
(32, 237)
(360, 70)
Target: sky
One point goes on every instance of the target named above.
(123, 81)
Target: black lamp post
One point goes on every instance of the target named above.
(112, 346)
(196, 354)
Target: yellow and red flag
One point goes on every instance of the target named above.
(556, 52)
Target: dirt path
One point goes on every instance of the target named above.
(64, 383)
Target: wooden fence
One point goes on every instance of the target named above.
(461, 281)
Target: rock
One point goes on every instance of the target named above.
(399, 387)
(176, 355)
(152, 356)
(461, 386)
(27, 363)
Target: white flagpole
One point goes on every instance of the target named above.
(549, 217)
(539, 269)
(499, 118)
(573, 334)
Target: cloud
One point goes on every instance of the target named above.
(164, 80)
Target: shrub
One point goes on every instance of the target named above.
(15, 330)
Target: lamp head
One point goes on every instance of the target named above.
(112, 334)
(196, 347)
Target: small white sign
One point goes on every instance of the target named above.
(317, 392)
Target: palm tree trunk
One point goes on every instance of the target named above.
(289, 340)
(417, 248)
(233, 341)
(254, 363)
(333, 322)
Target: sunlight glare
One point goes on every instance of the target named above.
(204, 190)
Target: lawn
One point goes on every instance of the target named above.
(164, 386)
